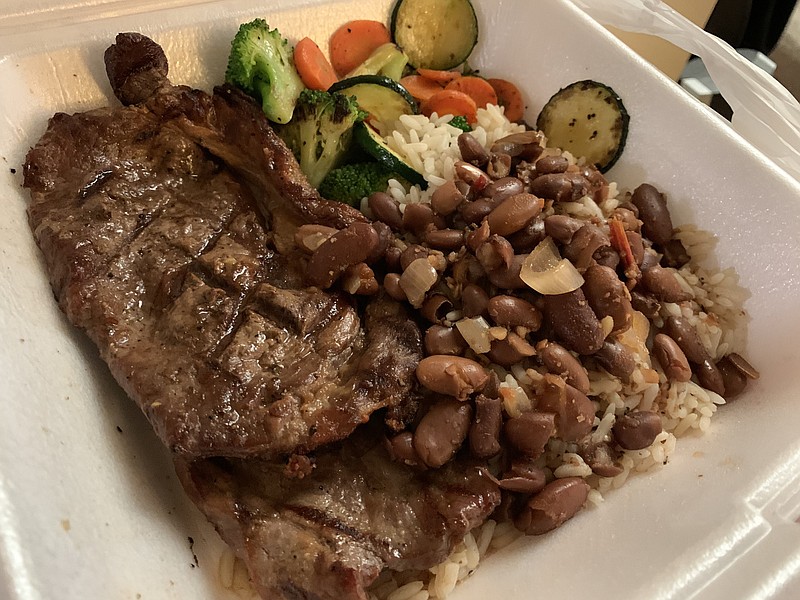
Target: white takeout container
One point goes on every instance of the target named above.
(89, 505)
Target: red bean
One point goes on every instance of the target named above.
(510, 311)
(471, 150)
(392, 258)
(513, 213)
(617, 359)
(495, 253)
(474, 300)
(675, 254)
(526, 145)
(444, 239)
(345, 248)
(475, 211)
(523, 478)
(385, 238)
(608, 296)
(418, 217)
(601, 458)
(551, 164)
(559, 501)
(529, 432)
(451, 375)
(710, 377)
(738, 361)
(653, 211)
(435, 307)
(509, 279)
(561, 227)
(447, 198)
(441, 431)
(637, 246)
(586, 241)
(444, 340)
(503, 188)
(391, 283)
(574, 322)
(560, 187)
(663, 284)
(734, 381)
(499, 165)
(412, 253)
(560, 362)
(671, 358)
(527, 238)
(385, 208)
(687, 338)
(471, 175)
(637, 430)
(510, 350)
(574, 411)
(484, 434)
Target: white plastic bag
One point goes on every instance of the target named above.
(764, 112)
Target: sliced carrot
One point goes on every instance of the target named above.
(443, 77)
(353, 42)
(509, 96)
(476, 88)
(451, 102)
(620, 243)
(420, 87)
(312, 66)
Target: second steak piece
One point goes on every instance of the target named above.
(329, 535)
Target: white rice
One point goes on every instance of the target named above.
(430, 145)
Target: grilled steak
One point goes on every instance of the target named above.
(327, 536)
(166, 228)
(160, 224)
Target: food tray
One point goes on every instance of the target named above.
(89, 505)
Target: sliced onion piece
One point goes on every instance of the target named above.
(417, 279)
(546, 272)
(475, 332)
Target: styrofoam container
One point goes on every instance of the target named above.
(89, 504)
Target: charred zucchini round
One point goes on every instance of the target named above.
(587, 119)
(383, 98)
(435, 34)
(373, 144)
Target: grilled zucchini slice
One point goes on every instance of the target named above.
(435, 34)
(374, 145)
(383, 98)
(587, 119)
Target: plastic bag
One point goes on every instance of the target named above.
(764, 112)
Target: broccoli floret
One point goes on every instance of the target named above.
(350, 183)
(321, 131)
(461, 123)
(261, 64)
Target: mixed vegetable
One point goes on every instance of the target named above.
(332, 112)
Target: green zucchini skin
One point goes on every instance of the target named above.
(374, 145)
(589, 119)
(435, 34)
(384, 98)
